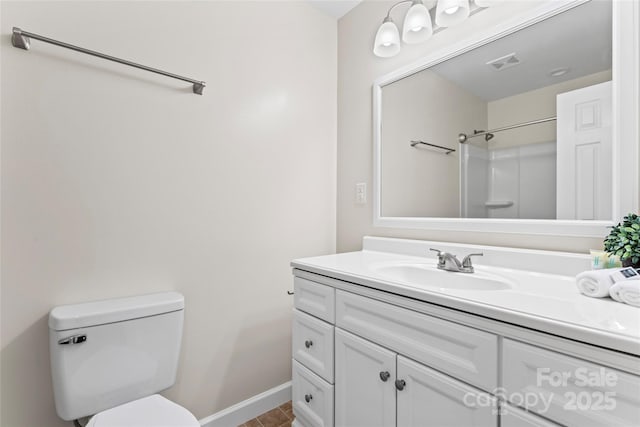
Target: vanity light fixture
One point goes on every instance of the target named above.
(451, 12)
(387, 39)
(417, 26)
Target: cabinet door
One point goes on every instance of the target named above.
(430, 398)
(365, 394)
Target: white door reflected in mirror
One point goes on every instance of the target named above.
(584, 157)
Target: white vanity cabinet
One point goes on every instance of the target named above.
(344, 379)
(366, 357)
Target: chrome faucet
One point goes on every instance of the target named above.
(449, 262)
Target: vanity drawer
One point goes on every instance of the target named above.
(312, 398)
(568, 390)
(462, 352)
(313, 344)
(514, 417)
(314, 298)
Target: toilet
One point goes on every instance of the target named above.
(110, 358)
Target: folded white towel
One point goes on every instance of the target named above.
(594, 283)
(627, 291)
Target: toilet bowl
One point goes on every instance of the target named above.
(151, 411)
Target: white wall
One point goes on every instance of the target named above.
(423, 181)
(118, 182)
(357, 69)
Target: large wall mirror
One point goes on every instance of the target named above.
(519, 130)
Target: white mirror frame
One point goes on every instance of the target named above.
(625, 117)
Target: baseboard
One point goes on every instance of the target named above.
(252, 407)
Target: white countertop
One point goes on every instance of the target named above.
(542, 301)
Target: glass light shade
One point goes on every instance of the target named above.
(487, 3)
(451, 12)
(417, 25)
(387, 41)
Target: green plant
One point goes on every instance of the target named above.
(624, 239)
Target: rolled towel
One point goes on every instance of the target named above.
(627, 291)
(594, 283)
(615, 293)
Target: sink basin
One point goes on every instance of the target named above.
(423, 275)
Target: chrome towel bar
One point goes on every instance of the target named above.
(21, 39)
(447, 149)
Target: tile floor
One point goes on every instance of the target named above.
(282, 416)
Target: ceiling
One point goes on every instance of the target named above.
(579, 39)
(335, 8)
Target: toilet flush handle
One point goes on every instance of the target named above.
(74, 339)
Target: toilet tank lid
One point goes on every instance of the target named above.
(95, 313)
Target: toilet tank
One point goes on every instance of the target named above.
(110, 352)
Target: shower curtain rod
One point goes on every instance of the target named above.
(463, 137)
(21, 39)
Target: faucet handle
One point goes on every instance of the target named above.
(439, 255)
(466, 262)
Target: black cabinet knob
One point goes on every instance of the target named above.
(400, 384)
(384, 376)
(308, 397)
(308, 343)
